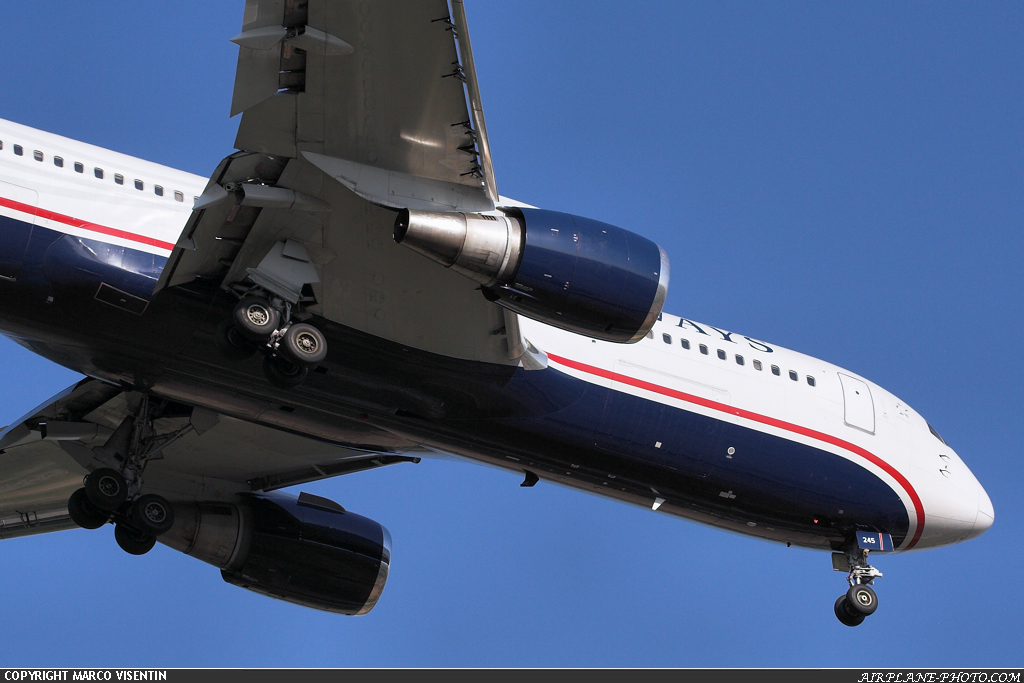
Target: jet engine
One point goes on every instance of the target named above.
(309, 551)
(570, 272)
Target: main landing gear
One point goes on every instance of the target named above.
(263, 323)
(860, 600)
(112, 495)
(104, 498)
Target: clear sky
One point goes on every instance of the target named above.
(843, 179)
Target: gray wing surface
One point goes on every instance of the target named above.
(349, 111)
(45, 455)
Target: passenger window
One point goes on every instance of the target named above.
(178, 196)
(757, 365)
(139, 185)
(810, 380)
(58, 162)
(158, 190)
(667, 338)
(19, 150)
(793, 376)
(650, 335)
(79, 167)
(1, 145)
(721, 354)
(776, 371)
(98, 172)
(119, 179)
(739, 359)
(704, 349)
(685, 343)
(37, 155)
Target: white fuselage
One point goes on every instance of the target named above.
(89, 192)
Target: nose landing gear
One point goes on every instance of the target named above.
(860, 600)
(262, 322)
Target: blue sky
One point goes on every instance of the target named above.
(843, 179)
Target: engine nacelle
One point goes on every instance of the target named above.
(309, 550)
(570, 272)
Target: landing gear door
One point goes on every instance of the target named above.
(860, 409)
(17, 207)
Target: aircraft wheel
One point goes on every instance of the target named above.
(860, 599)
(304, 345)
(153, 514)
(230, 341)
(84, 513)
(106, 489)
(282, 374)
(844, 613)
(132, 541)
(256, 318)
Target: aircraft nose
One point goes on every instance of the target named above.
(986, 515)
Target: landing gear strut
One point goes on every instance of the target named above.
(263, 322)
(860, 600)
(110, 494)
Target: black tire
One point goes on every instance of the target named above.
(152, 514)
(84, 513)
(860, 599)
(282, 374)
(303, 345)
(133, 541)
(106, 489)
(844, 615)
(256, 318)
(230, 341)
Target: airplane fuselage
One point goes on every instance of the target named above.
(693, 420)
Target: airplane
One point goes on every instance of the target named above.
(349, 291)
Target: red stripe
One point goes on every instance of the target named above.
(84, 225)
(755, 417)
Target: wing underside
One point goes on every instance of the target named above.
(45, 455)
(350, 111)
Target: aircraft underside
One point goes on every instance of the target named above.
(375, 395)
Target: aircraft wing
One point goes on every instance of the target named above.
(351, 111)
(45, 455)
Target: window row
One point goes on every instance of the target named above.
(98, 172)
(740, 360)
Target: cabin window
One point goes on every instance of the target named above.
(704, 349)
(721, 354)
(757, 365)
(650, 335)
(79, 167)
(159, 191)
(1, 145)
(139, 185)
(37, 155)
(119, 179)
(98, 172)
(179, 196)
(776, 371)
(19, 150)
(739, 359)
(58, 162)
(810, 381)
(667, 338)
(793, 376)
(685, 343)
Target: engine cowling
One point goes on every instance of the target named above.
(567, 271)
(309, 551)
